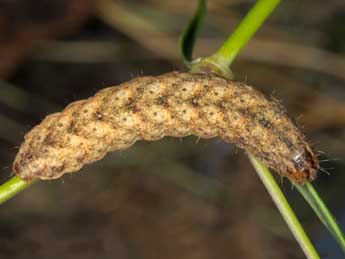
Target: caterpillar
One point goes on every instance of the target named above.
(174, 104)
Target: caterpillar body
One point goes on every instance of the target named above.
(174, 104)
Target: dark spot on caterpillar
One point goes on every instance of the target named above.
(286, 141)
(264, 123)
(60, 168)
(161, 100)
(134, 108)
(131, 106)
(75, 130)
(174, 85)
(27, 156)
(70, 129)
(49, 140)
(57, 168)
(98, 115)
(194, 102)
(81, 159)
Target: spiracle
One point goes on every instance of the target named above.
(175, 104)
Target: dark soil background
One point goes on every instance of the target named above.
(174, 198)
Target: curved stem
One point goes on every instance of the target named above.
(244, 31)
(284, 208)
(188, 37)
(12, 187)
(321, 210)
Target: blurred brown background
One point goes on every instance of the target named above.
(172, 198)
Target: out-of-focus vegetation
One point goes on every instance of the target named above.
(173, 198)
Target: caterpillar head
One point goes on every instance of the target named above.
(305, 165)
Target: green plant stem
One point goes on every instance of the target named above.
(225, 55)
(188, 37)
(12, 187)
(321, 210)
(284, 208)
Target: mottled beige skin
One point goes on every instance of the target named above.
(174, 104)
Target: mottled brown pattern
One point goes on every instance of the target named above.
(174, 104)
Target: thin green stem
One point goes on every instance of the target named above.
(284, 208)
(225, 55)
(12, 187)
(320, 208)
(188, 37)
